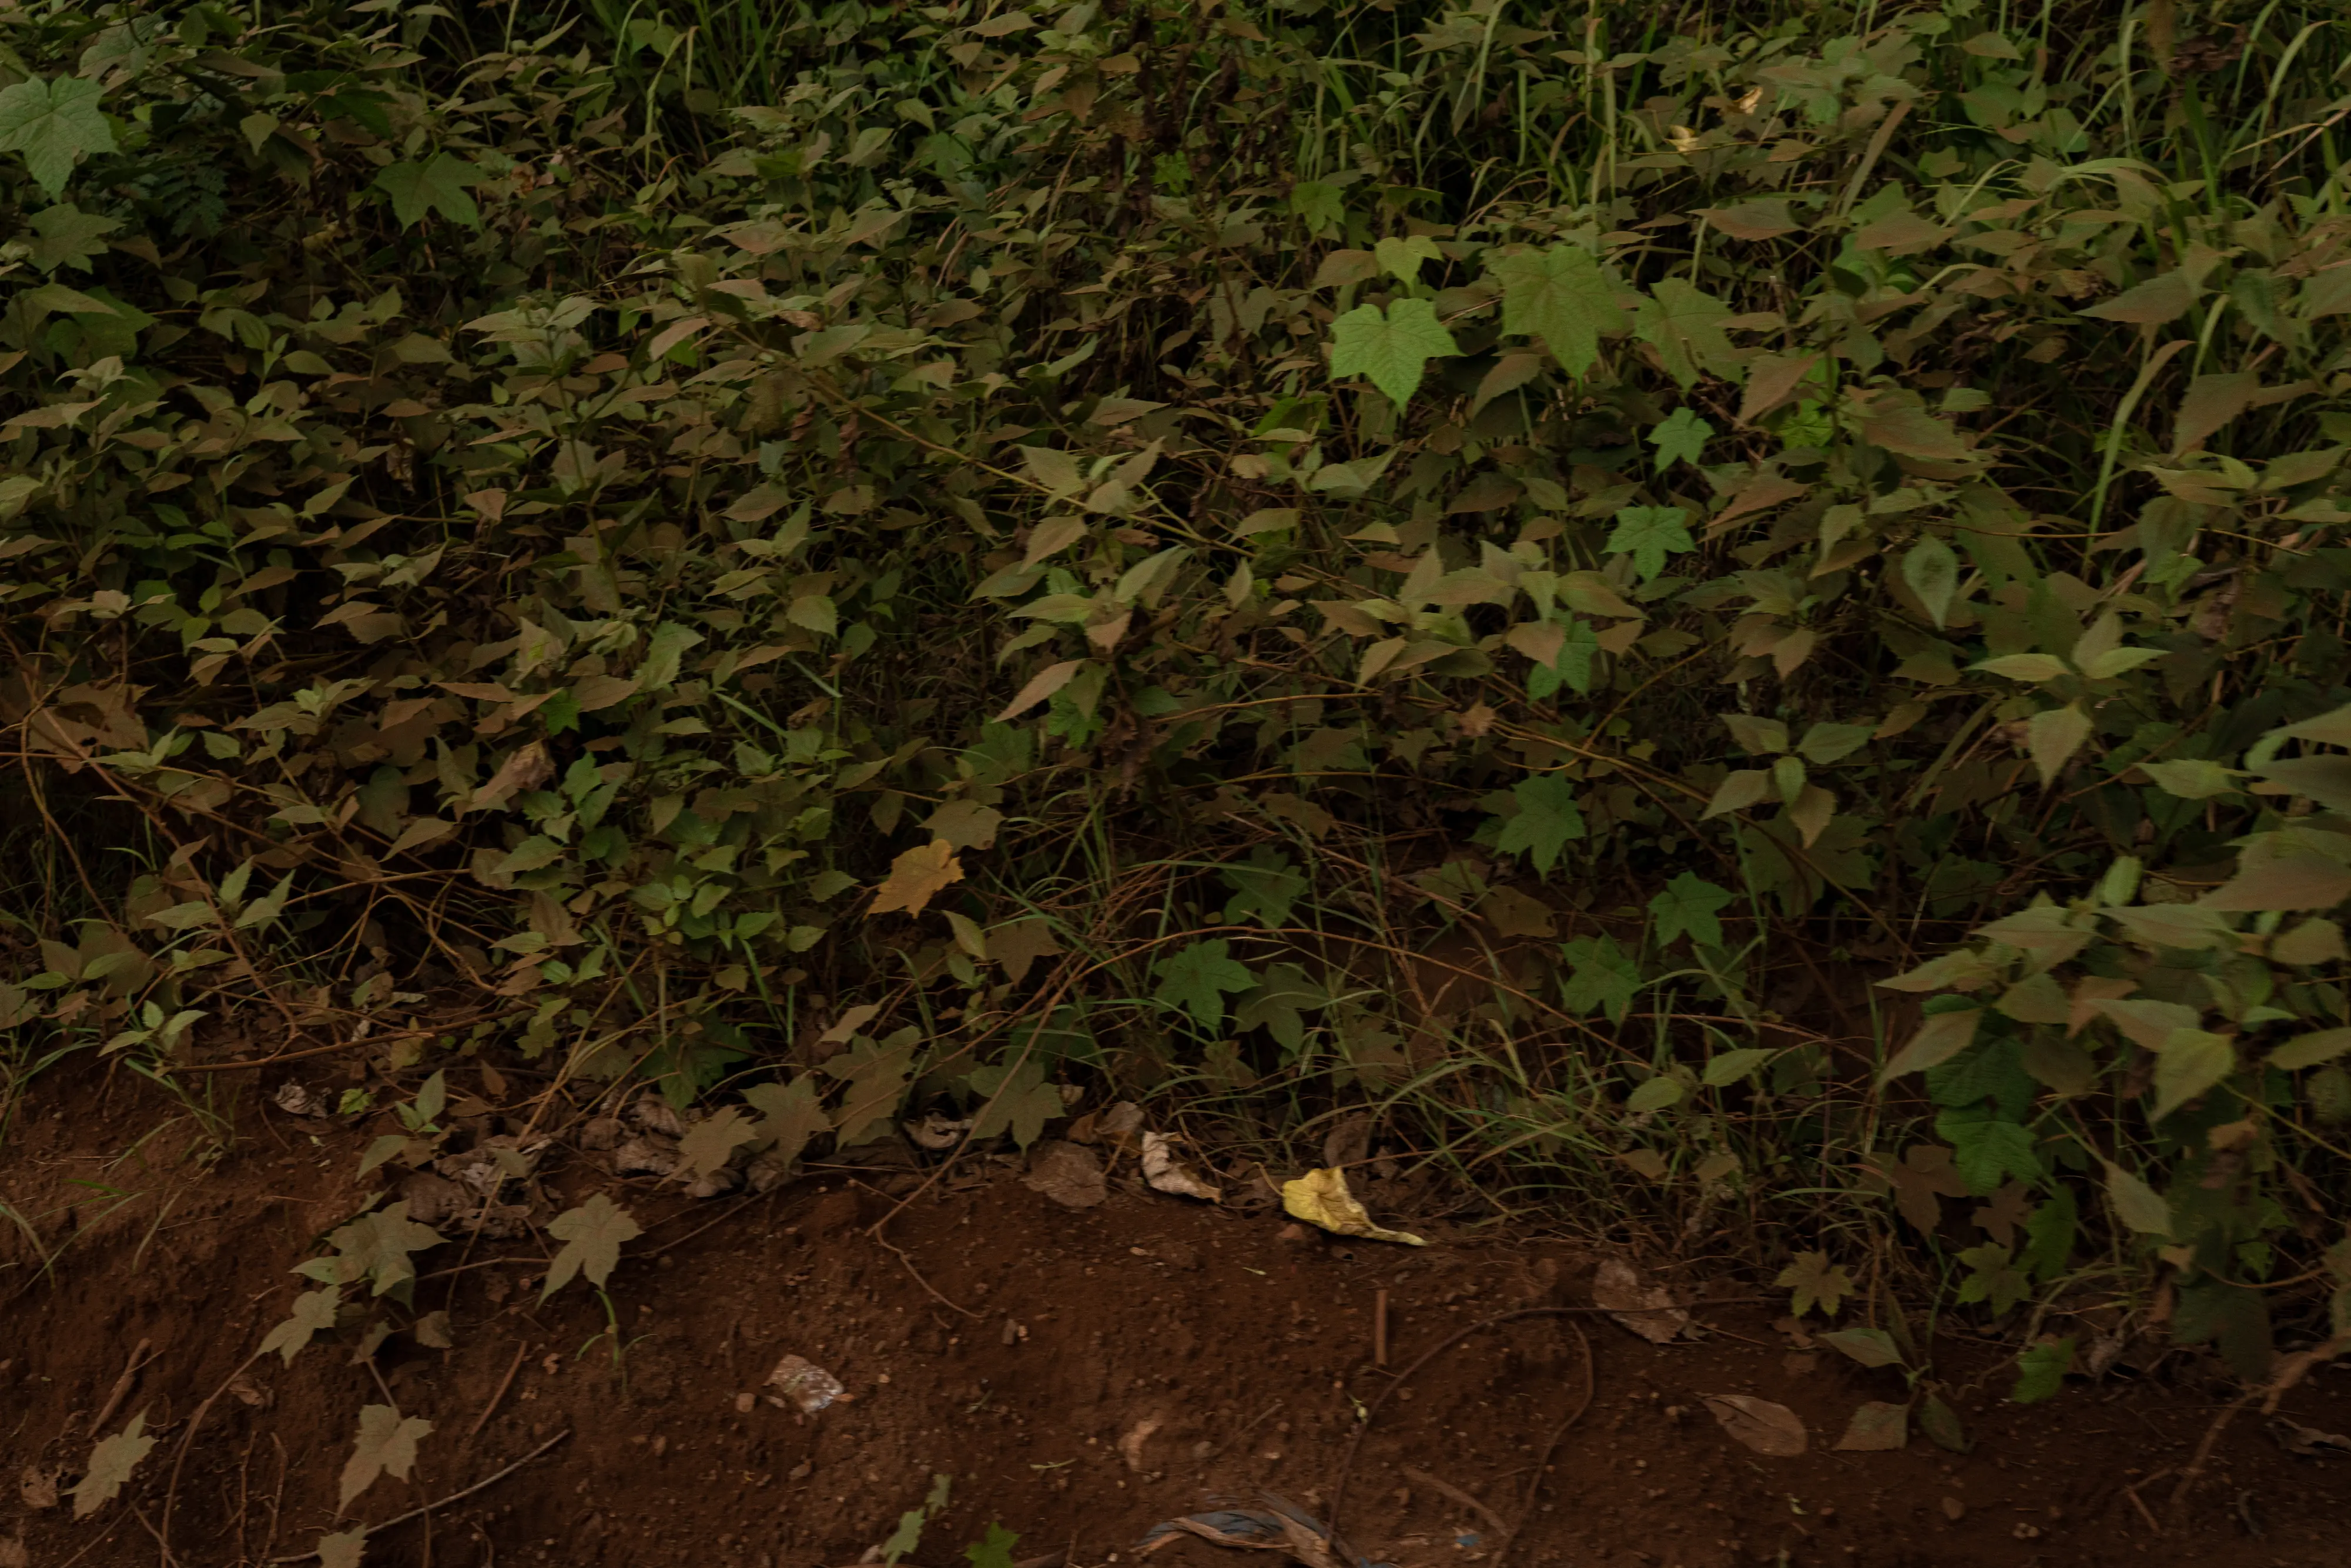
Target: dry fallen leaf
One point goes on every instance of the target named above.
(1647, 1309)
(1875, 1427)
(1068, 1174)
(1766, 1427)
(1321, 1198)
(2309, 1442)
(916, 877)
(1166, 1172)
(39, 1488)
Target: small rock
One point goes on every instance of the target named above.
(745, 1403)
(1954, 1509)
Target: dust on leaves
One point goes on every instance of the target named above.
(592, 1235)
(386, 1443)
(111, 1461)
(1814, 1281)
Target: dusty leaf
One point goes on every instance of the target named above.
(344, 1549)
(791, 1114)
(313, 1311)
(592, 1235)
(386, 1443)
(1815, 1283)
(1069, 1175)
(710, 1143)
(1870, 1347)
(111, 1460)
(376, 1247)
(1761, 1425)
(1624, 1293)
(1877, 1427)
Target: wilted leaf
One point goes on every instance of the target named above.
(1069, 1175)
(1621, 1290)
(1761, 1425)
(917, 876)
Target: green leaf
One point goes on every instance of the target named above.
(313, 1311)
(1930, 568)
(2050, 1234)
(1019, 1101)
(386, 1442)
(1987, 1148)
(1600, 978)
(55, 124)
(1560, 296)
(1321, 207)
(1392, 348)
(790, 1115)
(1196, 978)
(2192, 778)
(437, 185)
(993, 1550)
(1264, 887)
(2053, 735)
(2188, 1062)
(111, 1460)
(2041, 1371)
(1689, 907)
(1546, 819)
(1280, 1004)
(2136, 1204)
(1733, 1066)
(592, 1235)
(2311, 1049)
(710, 1143)
(1941, 1424)
(1815, 1283)
(375, 1247)
(1683, 324)
(1658, 1093)
(1649, 534)
(67, 236)
(1681, 438)
(1871, 1347)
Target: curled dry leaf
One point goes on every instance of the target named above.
(1069, 1175)
(1321, 1198)
(1621, 1290)
(1761, 1425)
(2308, 1442)
(1166, 1172)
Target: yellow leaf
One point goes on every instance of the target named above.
(1321, 1198)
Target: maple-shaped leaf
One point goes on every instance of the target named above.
(1986, 1146)
(1265, 886)
(1602, 978)
(1561, 296)
(55, 124)
(993, 1550)
(313, 1311)
(1391, 346)
(1547, 819)
(791, 1114)
(67, 237)
(1993, 1277)
(877, 1076)
(916, 877)
(1681, 438)
(592, 1235)
(1689, 907)
(344, 1549)
(1019, 1099)
(375, 1247)
(711, 1141)
(1196, 978)
(437, 185)
(1814, 1281)
(111, 1460)
(2041, 1371)
(1279, 1005)
(1649, 534)
(1920, 1177)
(1683, 324)
(1020, 944)
(387, 1442)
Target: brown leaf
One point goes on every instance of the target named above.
(1069, 1175)
(527, 769)
(1766, 1427)
(916, 877)
(1619, 1290)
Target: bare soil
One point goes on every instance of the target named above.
(1082, 1375)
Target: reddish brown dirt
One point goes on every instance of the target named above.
(1071, 1332)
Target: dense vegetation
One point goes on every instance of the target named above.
(1502, 563)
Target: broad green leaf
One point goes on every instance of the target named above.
(437, 185)
(1825, 743)
(1814, 1281)
(1755, 734)
(1649, 534)
(1018, 1101)
(386, 1442)
(375, 1247)
(1403, 257)
(2192, 778)
(1731, 1066)
(1547, 819)
(1658, 1093)
(313, 1311)
(1196, 979)
(710, 1143)
(1688, 906)
(1682, 438)
(1390, 347)
(2041, 1371)
(2311, 1049)
(2139, 1206)
(1871, 1347)
(1683, 324)
(592, 1235)
(1930, 568)
(111, 1460)
(67, 236)
(2052, 736)
(55, 124)
(1321, 207)
(1561, 296)
(993, 1550)
(1987, 1148)
(1602, 978)
(2188, 1062)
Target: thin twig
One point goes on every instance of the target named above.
(453, 1497)
(1444, 1488)
(138, 1358)
(504, 1383)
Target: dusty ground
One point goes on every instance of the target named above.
(1080, 1374)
